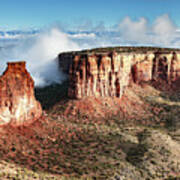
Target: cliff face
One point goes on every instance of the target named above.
(99, 75)
(107, 74)
(157, 66)
(18, 105)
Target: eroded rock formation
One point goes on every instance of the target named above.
(18, 105)
(99, 75)
(108, 73)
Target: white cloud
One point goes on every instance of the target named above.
(40, 53)
(82, 35)
(162, 32)
(163, 25)
(133, 30)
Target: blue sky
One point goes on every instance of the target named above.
(39, 13)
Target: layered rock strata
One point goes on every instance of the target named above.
(107, 74)
(18, 105)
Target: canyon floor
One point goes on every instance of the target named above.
(139, 139)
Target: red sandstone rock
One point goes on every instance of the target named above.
(175, 67)
(18, 105)
(156, 66)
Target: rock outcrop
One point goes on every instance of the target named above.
(18, 105)
(108, 73)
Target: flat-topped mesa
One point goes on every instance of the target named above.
(107, 73)
(18, 105)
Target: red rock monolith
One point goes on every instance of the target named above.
(18, 105)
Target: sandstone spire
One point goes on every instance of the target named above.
(18, 105)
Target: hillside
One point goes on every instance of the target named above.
(144, 146)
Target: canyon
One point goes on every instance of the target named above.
(107, 72)
(109, 120)
(18, 105)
